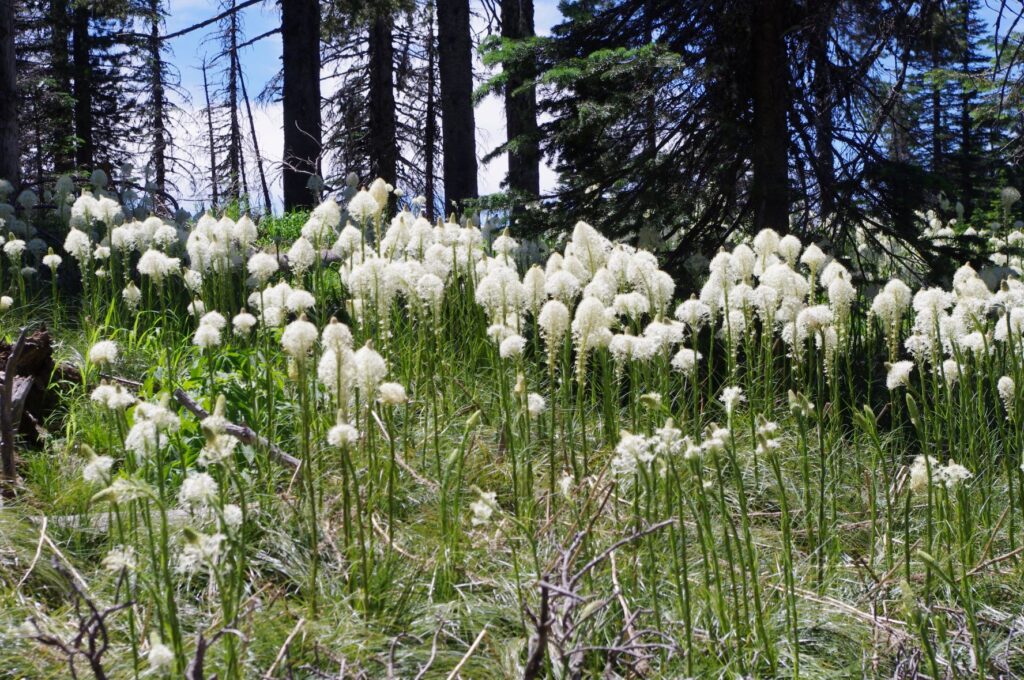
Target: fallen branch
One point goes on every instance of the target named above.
(472, 648)
(242, 433)
(995, 560)
(284, 648)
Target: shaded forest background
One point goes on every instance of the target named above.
(676, 123)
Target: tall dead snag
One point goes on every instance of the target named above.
(158, 122)
(236, 183)
(212, 139)
(267, 206)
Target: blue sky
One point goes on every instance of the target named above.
(261, 61)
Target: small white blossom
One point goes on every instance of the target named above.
(731, 397)
(232, 516)
(298, 338)
(120, 558)
(103, 352)
(97, 470)
(392, 394)
(242, 323)
(535, 404)
(483, 509)
(198, 490)
(160, 657)
(342, 434)
(899, 374)
(512, 347)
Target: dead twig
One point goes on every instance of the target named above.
(469, 652)
(284, 648)
(91, 639)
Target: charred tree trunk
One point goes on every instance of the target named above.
(383, 144)
(300, 35)
(458, 126)
(430, 128)
(234, 130)
(10, 155)
(82, 90)
(212, 140)
(770, 90)
(521, 105)
(159, 123)
(824, 134)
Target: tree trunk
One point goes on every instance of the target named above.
(521, 107)
(967, 158)
(821, 86)
(234, 130)
(936, 97)
(300, 35)
(213, 141)
(159, 124)
(770, 90)
(383, 145)
(82, 89)
(430, 127)
(61, 112)
(458, 126)
(10, 156)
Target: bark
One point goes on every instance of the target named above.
(82, 89)
(234, 130)
(936, 99)
(62, 114)
(300, 35)
(770, 90)
(966, 126)
(10, 156)
(521, 107)
(242, 433)
(383, 145)
(458, 126)
(430, 127)
(159, 124)
(824, 133)
(9, 467)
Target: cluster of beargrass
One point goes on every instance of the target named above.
(397, 448)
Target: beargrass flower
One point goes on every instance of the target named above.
(103, 353)
(298, 338)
